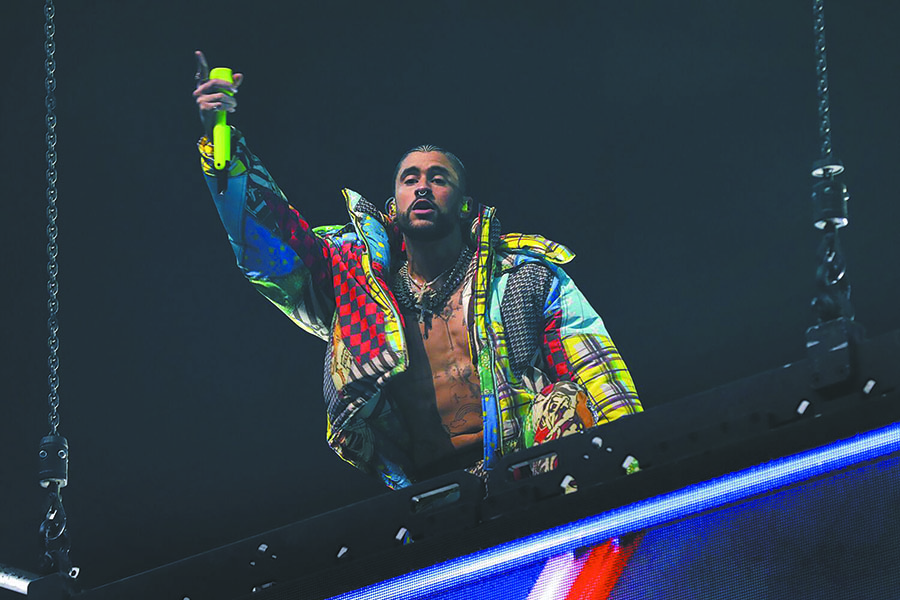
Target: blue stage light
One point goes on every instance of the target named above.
(635, 517)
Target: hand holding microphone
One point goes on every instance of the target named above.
(214, 95)
(221, 131)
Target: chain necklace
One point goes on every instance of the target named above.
(428, 300)
(425, 287)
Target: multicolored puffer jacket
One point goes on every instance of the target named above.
(532, 333)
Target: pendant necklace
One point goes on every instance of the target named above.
(426, 299)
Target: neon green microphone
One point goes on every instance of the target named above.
(221, 131)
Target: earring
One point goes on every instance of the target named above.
(465, 206)
(391, 208)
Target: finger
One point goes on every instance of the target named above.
(224, 100)
(238, 80)
(212, 86)
(202, 73)
(218, 107)
(213, 105)
(216, 102)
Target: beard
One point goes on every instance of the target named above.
(426, 231)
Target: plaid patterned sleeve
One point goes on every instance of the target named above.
(577, 348)
(276, 249)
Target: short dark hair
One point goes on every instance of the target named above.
(457, 164)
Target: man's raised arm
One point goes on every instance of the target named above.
(275, 247)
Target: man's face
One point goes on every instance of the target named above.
(428, 196)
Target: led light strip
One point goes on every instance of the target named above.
(634, 517)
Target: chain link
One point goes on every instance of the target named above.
(833, 298)
(54, 536)
(822, 73)
(53, 530)
(52, 229)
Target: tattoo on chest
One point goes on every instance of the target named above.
(441, 377)
(451, 314)
(467, 419)
(463, 385)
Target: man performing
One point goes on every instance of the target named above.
(449, 344)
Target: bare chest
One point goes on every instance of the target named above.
(439, 394)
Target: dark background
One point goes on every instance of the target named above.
(668, 144)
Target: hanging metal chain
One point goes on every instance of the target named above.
(54, 449)
(830, 343)
(52, 230)
(829, 196)
(822, 73)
